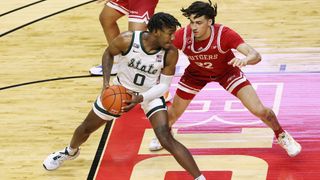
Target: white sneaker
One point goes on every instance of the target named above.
(292, 147)
(55, 160)
(97, 70)
(201, 177)
(155, 144)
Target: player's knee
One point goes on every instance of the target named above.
(105, 20)
(166, 139)
(172, 118)
(166, 142)
(102, 19)
(173, 115)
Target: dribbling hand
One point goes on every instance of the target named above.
(136, 99)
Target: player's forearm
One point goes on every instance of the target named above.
(253, 58)
(107, 62)
(155, 92)
(159, 89)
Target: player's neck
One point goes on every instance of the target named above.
(149, 43)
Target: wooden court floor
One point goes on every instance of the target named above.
(42, 41)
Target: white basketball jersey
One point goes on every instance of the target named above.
(139, 70)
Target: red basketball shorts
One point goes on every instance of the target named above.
(190, 84)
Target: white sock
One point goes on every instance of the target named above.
(71, 151)
(201, 177)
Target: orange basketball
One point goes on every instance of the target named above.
(112, 99)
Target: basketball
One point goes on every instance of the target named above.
(112, 99)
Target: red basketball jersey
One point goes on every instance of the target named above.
(208, 57)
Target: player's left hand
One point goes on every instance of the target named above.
(236, 62)
(136, 99)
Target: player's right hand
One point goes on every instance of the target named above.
(136, 99)
(105, 86)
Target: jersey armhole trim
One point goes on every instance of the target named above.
(219, 40)
(129, 49)
(184, 39)
(165, 59)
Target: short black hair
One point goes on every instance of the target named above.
(162, 20)
(200, 8)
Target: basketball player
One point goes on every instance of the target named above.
(138, 12)
(208, 47)
(145, 57)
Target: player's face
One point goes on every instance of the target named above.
(165, 37)
(200, 27)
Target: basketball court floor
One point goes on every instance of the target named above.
(47, 47)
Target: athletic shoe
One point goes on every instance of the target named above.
(292, 147)
(97, 70)
(155, 144)
(56, 159)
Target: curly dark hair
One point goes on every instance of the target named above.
(162, 20)
(200, 8)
